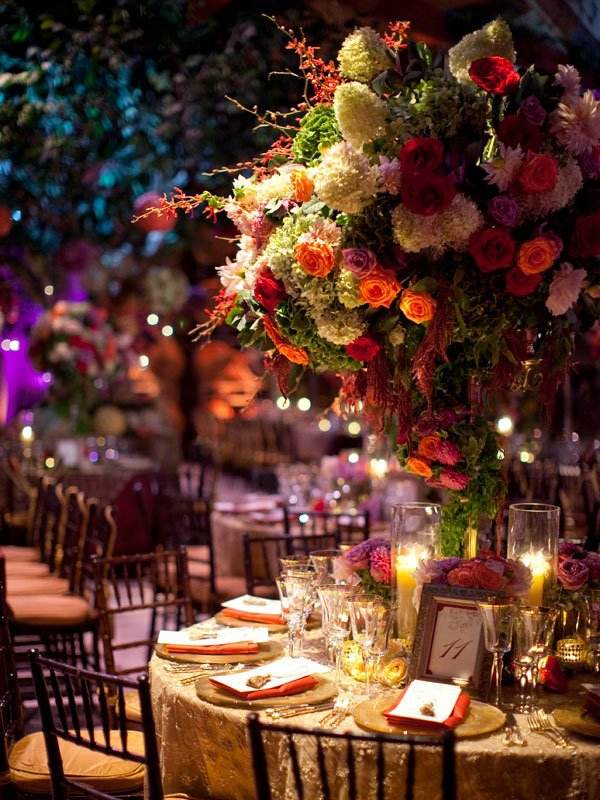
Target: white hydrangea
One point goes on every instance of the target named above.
(360, 113)
(568, 182)
(494, 39)
(340, 327)
(363, 55)
(345, 179)
(449, 230)
(347, 288)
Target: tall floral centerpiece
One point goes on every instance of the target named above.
(427, 227)
(76, 345)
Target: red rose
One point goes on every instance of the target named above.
(514, 130)
(519, 284)
(268, 290)
(427, 194)
(552, 676)
(585, 241)
(538, 173)
(364, 348)
(492, 248)
(487, 578)
(421, 155)
(463, 575)
(494, 74)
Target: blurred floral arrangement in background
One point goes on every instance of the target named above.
(424, 227)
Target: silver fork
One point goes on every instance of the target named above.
(340, 708)
(286, 712)
(536, 727)
(548, 723)
(540, 722)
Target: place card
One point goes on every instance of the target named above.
(279, 672)
(426, 701)
(194, 638)
(254, 605)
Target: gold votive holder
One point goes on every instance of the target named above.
(572, 652)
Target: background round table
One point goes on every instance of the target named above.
(204, 752)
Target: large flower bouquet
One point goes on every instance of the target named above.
(75, 344)
(424, 226)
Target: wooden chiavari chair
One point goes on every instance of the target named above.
(155, 582)
(346, 528)
(335, 777)
(262, 555)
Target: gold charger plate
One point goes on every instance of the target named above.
(481, 718)
(232, 622)
(325, 690)
(266, 652)
(572, 719)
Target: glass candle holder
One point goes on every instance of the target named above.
(415, 538)
(533, 530)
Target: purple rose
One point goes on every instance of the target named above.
(504, 210)
(592, 562)
(359, 260)
(533, 111)
(358, 556)
(567, 548)
(573, 574)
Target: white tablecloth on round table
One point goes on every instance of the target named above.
(204, 752)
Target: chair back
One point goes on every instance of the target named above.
(262, 554)
(51, 518)
(99, 542)
(11, 721)
(186, 521)
(70, 701)
(156, 582)
(339, 756)
(74, 524)
(347, 528)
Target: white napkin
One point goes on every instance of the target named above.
(254, 605)
(419, 693)
(225, 636)
(282, 670)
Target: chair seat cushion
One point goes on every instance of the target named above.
(29, 767)
(49, 610)
(133, 710)
(26, 569)
(198, 551)
(17, 586)
(14, 553)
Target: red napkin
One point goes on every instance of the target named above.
(232, 649)
(592, 704)
(552, 675)
(251, 616)
(293, 687)
(455, 718)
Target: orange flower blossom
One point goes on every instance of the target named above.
(418, 307)
(379, 288)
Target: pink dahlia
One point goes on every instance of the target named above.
(380, 564)
(452, 479)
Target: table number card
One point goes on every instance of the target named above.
(456, 642)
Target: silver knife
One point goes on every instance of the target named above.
(512, 732)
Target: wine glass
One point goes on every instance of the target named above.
(592, 602)
(297, 592)
(368, 617)
(336, 621)
(532, 632)
(292, 561)
(498, 621)
(322, 561)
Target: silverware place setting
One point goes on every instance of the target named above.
(541, 722)
(513, 735)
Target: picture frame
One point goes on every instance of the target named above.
(449, 643)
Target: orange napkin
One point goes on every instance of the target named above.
(251, 616)
(455, 718)
(293, 687)
(231, 649)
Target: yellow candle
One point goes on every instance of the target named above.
(406, 564)
(539, 565)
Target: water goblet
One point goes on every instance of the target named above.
(292, 561)
(530, 644)
(322, 561)
(297, 593)
(498, 621)
(335, 621)
(366, 613)
(379, 646)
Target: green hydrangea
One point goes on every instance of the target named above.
(318, 130)
(279, 252)
(347, 285)
(302, 332)
(360, 113)
(363, 55)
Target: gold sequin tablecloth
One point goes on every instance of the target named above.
(204, 752)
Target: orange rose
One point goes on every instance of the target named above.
(418, 307)
(302, 185)
(418, 466)
(379, 288)
(429, 446)
(297, 355)
(315, 257)
(536, 255)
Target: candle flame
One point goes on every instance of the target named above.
(538, 562)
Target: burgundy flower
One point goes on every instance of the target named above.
(567, 548)
(494, 74)
(364, 348)
(504, 210)
(452, 479)
(269, 291)
(533, 111)
(573, 574)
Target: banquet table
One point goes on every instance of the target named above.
(204, 752)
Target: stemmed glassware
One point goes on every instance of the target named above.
(371, 620)
(322, 561)
(498, 621)
(335, 621)
(297, 591)
(532, 634)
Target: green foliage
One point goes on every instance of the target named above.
(318, 130)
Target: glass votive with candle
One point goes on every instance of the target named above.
(533, 530)
(415, 538)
